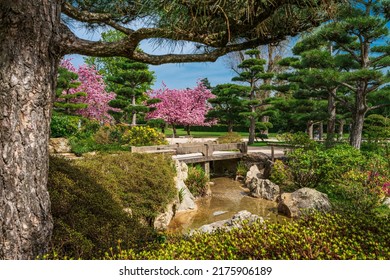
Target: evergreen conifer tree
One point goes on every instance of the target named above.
(359, 40)
(252, 72)
(132, 80)
(228, 104)
(66, 81)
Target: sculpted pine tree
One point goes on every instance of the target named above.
(228, 104)
(35, 36)
(359, 38)
(66, 93)
(251, 71)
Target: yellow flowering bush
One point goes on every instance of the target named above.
(143, 136)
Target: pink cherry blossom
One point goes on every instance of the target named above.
(97, 97)
(182, 106)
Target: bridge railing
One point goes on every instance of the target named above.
(206, 149)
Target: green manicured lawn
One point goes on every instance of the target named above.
(200, 134)
(206, 134)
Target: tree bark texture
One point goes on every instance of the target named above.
(358, 114)
(320, 130)
(266, 120)
(28, 69)
(134, 114)
(252, 130)
(331, 124)
(341, 129)
(310, 128)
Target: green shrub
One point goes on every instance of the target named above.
(230, 137)
(143, 136)
(196, 180)
(242, 169)
(91, 200)
(64, 125)
(355, 192)
(299, 139)
(313, 167)
(281, 175)
(110, 134)
(314, 237)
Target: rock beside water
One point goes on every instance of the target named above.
(303, 200)
(235, 222)
(184, 202)
(261, 188)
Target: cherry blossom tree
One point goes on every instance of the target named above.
(96, 98)
(186, 107)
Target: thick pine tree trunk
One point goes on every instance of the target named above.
(252, 130)
(360, 110)
(265, 119)
(230, 126)
(320, 130)
(355, 138)
(331, 125)
(341, 129)
(28, 69)
(310, 129)
(134, 116)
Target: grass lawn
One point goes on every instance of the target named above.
(200, 134)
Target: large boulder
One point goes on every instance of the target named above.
(259, 187)
(302, 201)
(184, 201)
(235, 222)
(261, 160)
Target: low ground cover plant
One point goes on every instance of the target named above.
(318, 236)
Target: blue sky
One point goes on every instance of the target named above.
(174, 75)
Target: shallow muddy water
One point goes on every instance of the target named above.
(228, 197)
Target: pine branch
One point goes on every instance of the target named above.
(349, 86)
(90, 17)
(378, 106)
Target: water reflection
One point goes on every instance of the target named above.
(228, 197)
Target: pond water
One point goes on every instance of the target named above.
(228, 197)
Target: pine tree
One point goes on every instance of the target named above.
(228, 104)
(251, 71)
(132, 80)
(359, 37)
(67, 82)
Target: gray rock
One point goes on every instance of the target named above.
(261, 188)
(185, 201)
(261, 160)
(162, 220)
(301, 201)
(235, 222)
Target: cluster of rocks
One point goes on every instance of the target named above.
(290, 204)
(184, 201)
